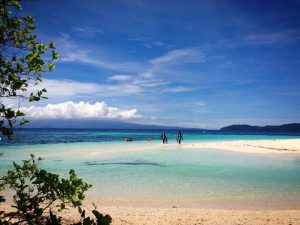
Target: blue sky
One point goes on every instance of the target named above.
(190, 63)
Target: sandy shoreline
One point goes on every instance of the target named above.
(185, 216)
(280, 146)
(273, 146)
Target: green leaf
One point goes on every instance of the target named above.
(51, 66)
(55, 55)
(23, 121)
(19, 113)
(52, 44)
(31, 97)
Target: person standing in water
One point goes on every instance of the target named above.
(179, 137)
(164, 138)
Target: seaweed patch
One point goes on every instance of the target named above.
(94, 163)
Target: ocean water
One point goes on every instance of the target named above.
(54, 136)
(149, 171)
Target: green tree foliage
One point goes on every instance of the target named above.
(23, 61)
(36, 191)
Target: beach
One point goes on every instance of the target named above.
(252, 146)
(197, 182)
(187, 216)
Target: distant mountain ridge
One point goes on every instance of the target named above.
(244, 127)
(92, 124)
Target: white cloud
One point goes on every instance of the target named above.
(143, 76)
(120, 78)
(69, 88)
(181, 56)
(148, 42)
(85, 58)
(177, 89)
(284, 37)
(201, 104)
(147, 74)
(81, 110)
(72, 52)
(158, 43)
(88, 31)
(150, 83)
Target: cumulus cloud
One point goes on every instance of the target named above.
(81, 110)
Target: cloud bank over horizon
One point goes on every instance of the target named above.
(81, 110)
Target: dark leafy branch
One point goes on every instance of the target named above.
(38, 191)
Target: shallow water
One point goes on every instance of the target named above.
(145, 171)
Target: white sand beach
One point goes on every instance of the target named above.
(186, 216)
(280, 146)
(276, 146)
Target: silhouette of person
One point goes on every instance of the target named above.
(164, 138)
(179, 137)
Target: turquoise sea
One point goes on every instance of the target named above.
(147, 171)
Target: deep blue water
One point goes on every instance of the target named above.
(51, 136)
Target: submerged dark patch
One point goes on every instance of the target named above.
(122, 163)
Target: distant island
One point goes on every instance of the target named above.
(244, 127)
(112, 124)
(93, 124)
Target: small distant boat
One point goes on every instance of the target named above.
(149, 139)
